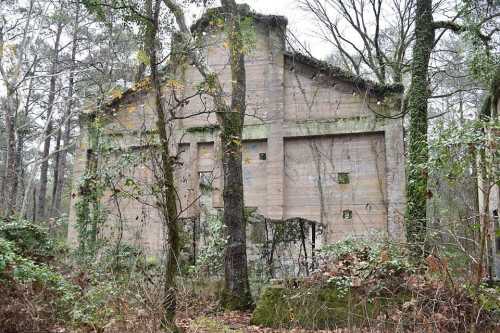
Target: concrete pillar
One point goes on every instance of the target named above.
(193, 187)
(395, 178)
(275, 141)
(275, 175)
(218, 184)
(79, 166)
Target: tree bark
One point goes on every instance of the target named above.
(9, 183)
(167, 195)
(237, 291)
(418, 95)
(237, 288)
(56, 168)
(12, 80)
(21, 134)
(44, 168)
(60, 182)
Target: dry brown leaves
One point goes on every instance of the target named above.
(239, 322)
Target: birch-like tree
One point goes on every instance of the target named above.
(14, 67)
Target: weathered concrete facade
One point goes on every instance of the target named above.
(318, 144)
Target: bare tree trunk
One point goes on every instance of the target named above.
(166, 197)
(12, 79)
(9, 183)
(44, 168)
(237, 288)
(56, 168)
(21, 133)
(60, 182)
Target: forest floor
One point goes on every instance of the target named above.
(239, 322)
(38, 293)
(228, 322)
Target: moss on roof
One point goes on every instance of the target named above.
(374, 88)
(209, 19)
(141, 86)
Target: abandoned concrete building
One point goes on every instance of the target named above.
(319, 145)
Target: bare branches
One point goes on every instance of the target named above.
(382, 33)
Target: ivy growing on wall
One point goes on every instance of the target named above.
(90, 214)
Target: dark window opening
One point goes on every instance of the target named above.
(343, 178)
(347, 214)
(262, 156)
(496, 229)
(206, 182)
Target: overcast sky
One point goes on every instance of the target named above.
(298, 22)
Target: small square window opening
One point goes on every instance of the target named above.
(262, 156)
(343, 178)
(347, 214)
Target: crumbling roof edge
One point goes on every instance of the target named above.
(206, 20)
(374, 88)
(141, 86)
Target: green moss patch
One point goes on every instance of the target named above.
(315, 307)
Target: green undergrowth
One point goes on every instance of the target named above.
(40, 293)
(28, 281)
(372, 283)
(316, 307)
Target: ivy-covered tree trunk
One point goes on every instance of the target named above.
(418, 95)
(237, 288)
(166, 197)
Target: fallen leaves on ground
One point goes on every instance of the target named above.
(239, 322)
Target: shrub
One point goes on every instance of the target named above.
(30, 240)
(373, 282)
(34, 295)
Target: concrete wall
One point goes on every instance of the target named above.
(298, 128)
(328, 177)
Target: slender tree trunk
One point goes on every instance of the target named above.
(19, 166)
(59, 184)
(44, 168)
(418, 96)
(30, 184)
(237, 288)
(167, 196)
(9, 183)
(8, 188)
(21, 133)
(56, 168)
(33, 214)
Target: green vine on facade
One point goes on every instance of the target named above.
(90, 214)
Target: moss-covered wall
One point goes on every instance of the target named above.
(315, 307)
